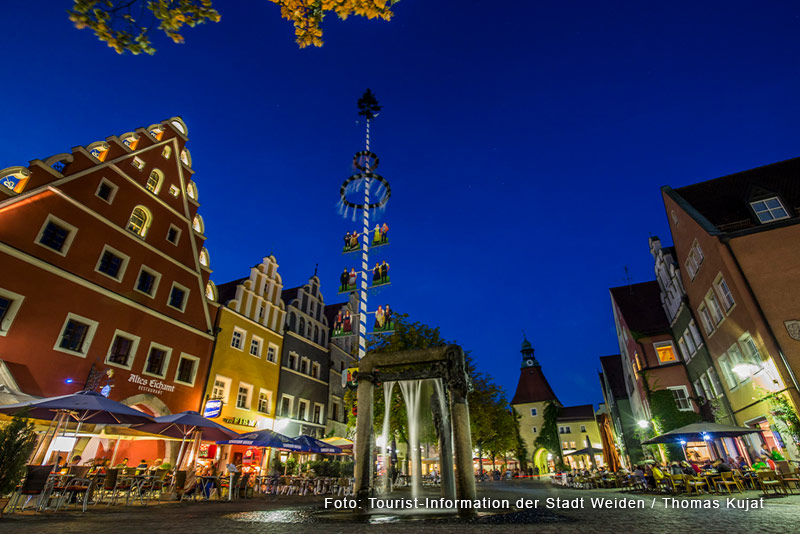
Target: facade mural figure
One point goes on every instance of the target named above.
(348, 281)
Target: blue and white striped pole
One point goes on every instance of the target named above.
(362, 300)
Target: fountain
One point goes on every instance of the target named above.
(447, 369)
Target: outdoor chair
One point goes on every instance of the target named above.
(243, 486)
(35, 484)
(678, 483)
(768, 479)
(788, 476)
(114, 486)
(727, 479)
(695, 484)
(74, 488)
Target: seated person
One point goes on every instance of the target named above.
(123, 464)
(675, 469)
(156, 465)
(142, 464)
(722, 467)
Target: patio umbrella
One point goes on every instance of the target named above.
(586, 450)
(343, 443)
(185, 424)
(81, 407)
(701, 432)
(315, 445)
(264, 438)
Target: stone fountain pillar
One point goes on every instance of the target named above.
(443, 430)
(365, 440)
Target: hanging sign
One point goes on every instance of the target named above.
(384, 320)
(380, 274)
(212, 408)
(343, 324)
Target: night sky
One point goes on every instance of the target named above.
(525, 143)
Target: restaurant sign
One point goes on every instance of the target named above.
(239, 421)
(212, 408)
(151, 385)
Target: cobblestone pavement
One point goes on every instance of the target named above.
(299, 515)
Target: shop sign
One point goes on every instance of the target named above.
(212, 408)
(241, 421)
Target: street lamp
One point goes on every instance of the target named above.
(643, 423)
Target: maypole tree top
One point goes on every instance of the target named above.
(368, 106)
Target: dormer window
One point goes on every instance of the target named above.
(769, 209)
(99, 150)
(130, 140)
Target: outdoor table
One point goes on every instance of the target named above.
(205, 479)
(136, 483)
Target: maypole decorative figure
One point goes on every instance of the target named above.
(366, 162)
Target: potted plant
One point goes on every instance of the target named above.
(17, 441)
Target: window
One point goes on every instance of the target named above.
(703, 388)
(243, 396)
(583, 428)
(174, 190)
(286, 405)
(698, 387)
(139, 221)
(178, 296)
(334, 411)
(74, 336)
(666, 352)
(727, 373)
(264, 400)
(10, 303)
(123, 349)
(684, 351)
(533, 411)
(315, 368)
(191, 190)
(681, 397)
(167, 152)
(255, 346)
(705, 318)
(292, 363)
(749, 349)
(173, 234)
(698, 341)
(689, 339)
(694, 259)
(157, 360)
(112, 263)
(147, 281)
(769, 209)
(565, 445)
(237, 339)
(204, 259)
(317, 413)
(222, 385)
(713, 307)
(106, 190)
(187, 369)
(572, 445)
(714, 383)
(304, 366)
(564, 430)
(56, 235)
(197, 224)
(154, 181)
(302, 410)
(724, 293)
(272, 353)
(138, 163)
(533, 429)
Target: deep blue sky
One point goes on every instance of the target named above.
(525, 144)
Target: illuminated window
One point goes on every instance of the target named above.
(139, 221)
(769, 209)
(197, 224)
(705, 318)
(666, 352)
(130, 141)
(167, 152)
(154, 181)
(138, 163)
(174, 191)
(211, 291)
(186, 158)
(727, 372)
(749, 350)
(222, 386)
(264, 400)
(191, 190)
(243, 396)
(204, 261)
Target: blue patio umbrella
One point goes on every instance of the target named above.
(314, 445)
(81, 407)
(264, 438)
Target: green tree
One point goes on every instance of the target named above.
(126, 25)
(17, 441)
(548, 436)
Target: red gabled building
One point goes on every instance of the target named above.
(103, 268)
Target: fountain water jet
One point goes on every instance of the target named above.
(412, 390)
(387, 398)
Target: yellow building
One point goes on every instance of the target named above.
(246, 363)
(579, 436)
(576, 423)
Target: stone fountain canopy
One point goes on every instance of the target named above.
(448, 364)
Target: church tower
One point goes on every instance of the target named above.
(532, 395)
